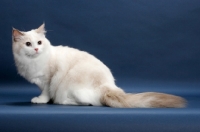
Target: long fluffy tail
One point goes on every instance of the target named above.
(118, 98)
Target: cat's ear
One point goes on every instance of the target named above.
(41, 29)
(17, 35)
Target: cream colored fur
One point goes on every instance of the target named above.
(72, 77)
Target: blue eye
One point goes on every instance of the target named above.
(28, 43)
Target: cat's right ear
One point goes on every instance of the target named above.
(16, 34)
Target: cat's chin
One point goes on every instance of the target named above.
(32, 56)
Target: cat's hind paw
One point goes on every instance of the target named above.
(39, 100)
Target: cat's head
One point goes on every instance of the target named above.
(30, 44)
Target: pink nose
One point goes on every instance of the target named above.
(36, 49)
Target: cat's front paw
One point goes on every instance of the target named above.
(39, 100)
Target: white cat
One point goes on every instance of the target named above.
(72, 77)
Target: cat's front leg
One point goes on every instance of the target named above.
(43, 98)
(40, 99)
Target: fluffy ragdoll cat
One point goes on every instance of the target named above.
(72, 77)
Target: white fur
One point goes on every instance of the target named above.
(64, 74)
(73, 77)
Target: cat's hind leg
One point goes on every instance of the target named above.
(68, 102)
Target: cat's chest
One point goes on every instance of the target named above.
(33, 70)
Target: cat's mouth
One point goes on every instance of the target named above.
(32, 56)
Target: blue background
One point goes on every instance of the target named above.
(149, 45)
(139, 39)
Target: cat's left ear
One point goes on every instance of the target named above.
(41, 29)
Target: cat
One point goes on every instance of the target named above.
(69, 76)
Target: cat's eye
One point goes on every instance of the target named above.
(39, 42)
(28, 44)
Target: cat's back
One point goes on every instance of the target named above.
(72, 55)
(78, 63)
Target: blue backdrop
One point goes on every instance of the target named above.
(139, 39)
(143, 42)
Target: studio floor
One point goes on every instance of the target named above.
(18, 114)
